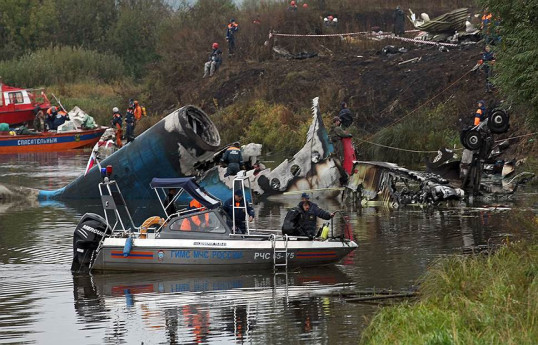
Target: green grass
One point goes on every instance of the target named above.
(470, 300)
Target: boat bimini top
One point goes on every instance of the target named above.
(184, 184)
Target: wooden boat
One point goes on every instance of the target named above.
(49, 141)
(17, 105)
(115, 244)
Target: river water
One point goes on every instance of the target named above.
(42, 302)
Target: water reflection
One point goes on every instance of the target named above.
(38, 292)
(193, 309)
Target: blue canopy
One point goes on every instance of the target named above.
(189, 185)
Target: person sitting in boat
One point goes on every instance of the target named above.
(237, 205)
(39, 121)
(55, 118)
(308, 213)
(170, 206)
(233, 159)
(198, 222)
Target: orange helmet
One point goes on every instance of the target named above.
(215, 45)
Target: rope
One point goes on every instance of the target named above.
(369, 36)
(428, 101)
(517, 136)
(394, 148)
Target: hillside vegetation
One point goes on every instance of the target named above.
(98, 56)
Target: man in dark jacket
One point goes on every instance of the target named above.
(130, 123)
(215, 60)
(237, 205)
(399, 21)
(309, 212)
(345, 115)
(486, 63)
(231, 29)
(233, 159)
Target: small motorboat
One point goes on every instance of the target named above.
(17, 105)
(114, 243)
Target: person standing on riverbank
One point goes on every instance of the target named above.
(231, 29)
(399, 21)
(117, 122)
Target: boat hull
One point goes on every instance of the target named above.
(160, 255)
(49, 141)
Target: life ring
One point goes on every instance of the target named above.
(151, 221)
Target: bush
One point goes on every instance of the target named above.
(272, 125)
(57, 65)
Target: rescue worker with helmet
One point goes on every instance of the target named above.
(215, 59)
(292, 7)
(480, 114)
(137, 110)
(117, 122)
(233, 159)
(236, 205)
(231, 29)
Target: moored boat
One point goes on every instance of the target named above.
(115, 244)
(49, 141)
(17, 105)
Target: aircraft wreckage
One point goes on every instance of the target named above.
(187, 143)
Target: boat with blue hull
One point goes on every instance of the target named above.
(200, 239)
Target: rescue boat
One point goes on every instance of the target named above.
(160, 244)
(17, 105)
(49, 141)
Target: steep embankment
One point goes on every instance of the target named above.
(375, 85)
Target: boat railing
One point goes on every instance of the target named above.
(112, 199)
(241, 182)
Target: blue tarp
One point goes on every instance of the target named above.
(190, 186)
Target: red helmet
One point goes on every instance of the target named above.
(215, 45)
(292, 3)
(331, 18)
(305, 5)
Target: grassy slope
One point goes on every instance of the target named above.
(470, 300)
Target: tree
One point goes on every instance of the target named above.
(516, 66)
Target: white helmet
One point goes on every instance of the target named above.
(115, 110)
(335, 20)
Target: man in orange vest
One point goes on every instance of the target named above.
(195, 222)
(480, 114)
(231, 29)
(137, 112)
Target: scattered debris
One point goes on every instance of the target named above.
(389, 184)
(413, 60)
(299, 56)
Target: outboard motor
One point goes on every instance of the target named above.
(290, 226)
(90, 231)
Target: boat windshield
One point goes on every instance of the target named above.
(199, 222)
